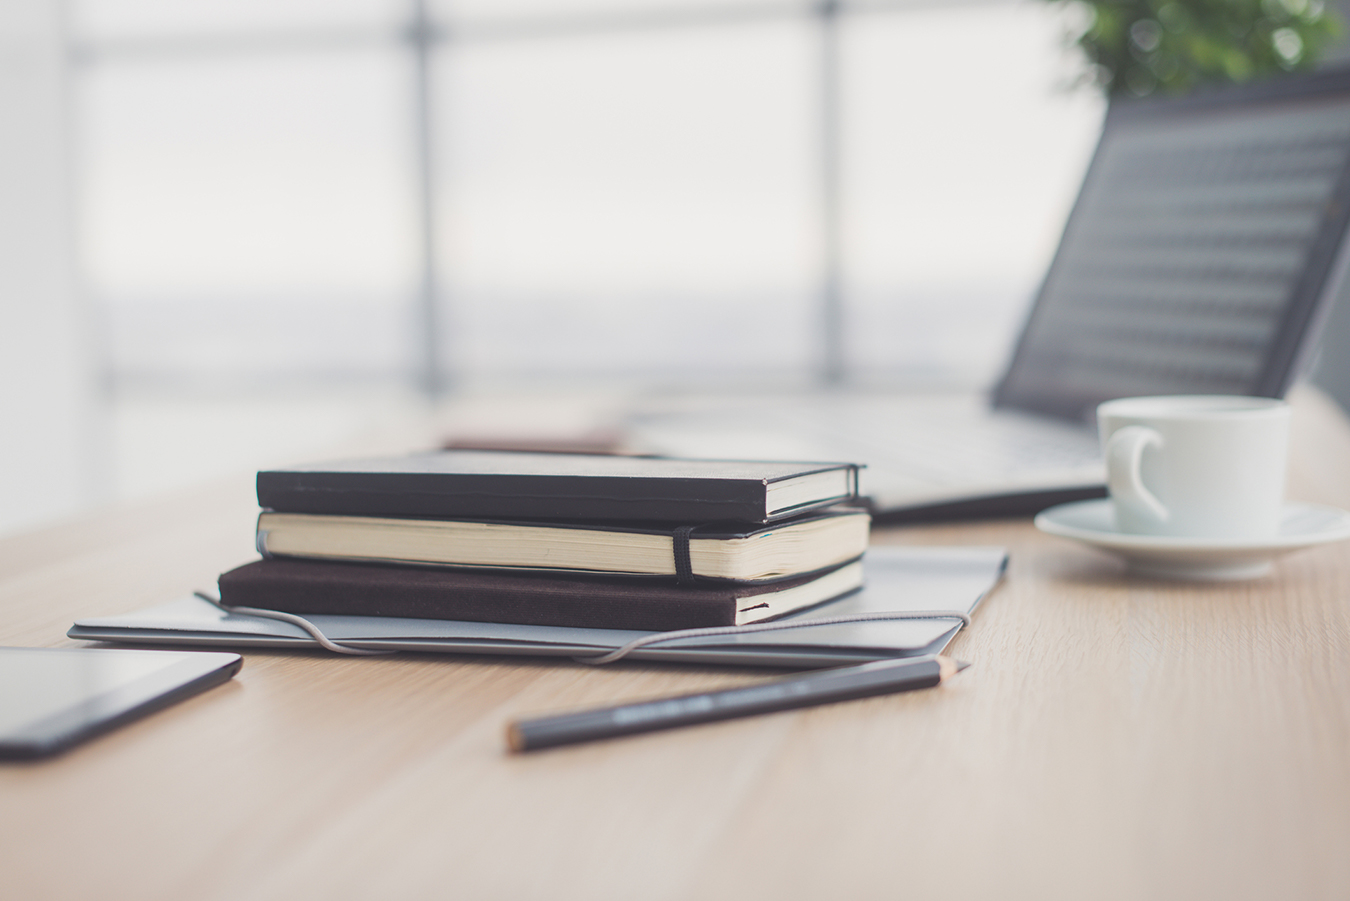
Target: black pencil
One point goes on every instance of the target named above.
(820, 687)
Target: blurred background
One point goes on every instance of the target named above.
(233, 233)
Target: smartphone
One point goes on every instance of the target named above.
(52, 698)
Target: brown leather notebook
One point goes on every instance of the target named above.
(356, 589)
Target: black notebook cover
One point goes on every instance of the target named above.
(570, 487)
(355, 589)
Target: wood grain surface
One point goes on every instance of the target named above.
(1115, 738)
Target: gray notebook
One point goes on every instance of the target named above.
(897, 579)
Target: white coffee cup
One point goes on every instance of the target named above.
(1196, 466)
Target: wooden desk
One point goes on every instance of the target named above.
(1116, 738)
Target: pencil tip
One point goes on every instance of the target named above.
(515, 739)
(961, 664)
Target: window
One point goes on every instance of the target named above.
(670, 192)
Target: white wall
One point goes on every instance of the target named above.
(47, 444)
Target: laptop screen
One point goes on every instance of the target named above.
(1199, 252)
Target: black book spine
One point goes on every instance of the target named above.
(514, 497)
(354, 589)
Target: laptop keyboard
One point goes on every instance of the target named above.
(1183, 254)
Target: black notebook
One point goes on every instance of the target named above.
(564, 487)
(353, 589)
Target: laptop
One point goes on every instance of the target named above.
(1205, 248)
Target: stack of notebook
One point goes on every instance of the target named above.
(575, 540)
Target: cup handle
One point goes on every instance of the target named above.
(1124, 452)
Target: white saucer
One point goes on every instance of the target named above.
(1093, 522)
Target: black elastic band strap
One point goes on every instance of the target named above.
(684, 570)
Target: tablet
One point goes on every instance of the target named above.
(51, 698)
